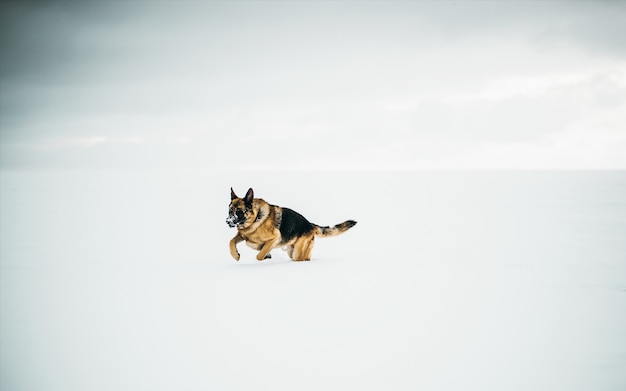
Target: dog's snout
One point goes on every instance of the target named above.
(230, 220)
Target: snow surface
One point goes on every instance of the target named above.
(450, 281)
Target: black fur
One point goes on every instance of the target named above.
(293, 224)
(249, 198)
(348, 224)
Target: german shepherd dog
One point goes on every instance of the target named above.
(265, 227)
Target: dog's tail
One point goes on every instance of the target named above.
(335, 230)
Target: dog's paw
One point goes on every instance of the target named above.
(259, 257)
(235, 256)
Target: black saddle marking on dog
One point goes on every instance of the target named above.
(293, 224)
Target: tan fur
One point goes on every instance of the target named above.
(261, 230)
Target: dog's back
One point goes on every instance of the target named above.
(293, 224)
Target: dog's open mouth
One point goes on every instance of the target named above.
(235, 217)
(234, 220)
(231, 221)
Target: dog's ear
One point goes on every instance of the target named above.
(232, 194)
(249, 197)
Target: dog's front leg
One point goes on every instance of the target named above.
(265, 250)
(233, 246)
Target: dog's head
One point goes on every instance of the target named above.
(240, 209)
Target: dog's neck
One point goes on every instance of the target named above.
(262, 213)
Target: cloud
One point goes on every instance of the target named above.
(87, 141)
(398, 83)
(594, 27)
(599, 150)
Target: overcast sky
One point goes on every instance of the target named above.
(313, 85)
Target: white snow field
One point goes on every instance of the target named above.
(449, 281)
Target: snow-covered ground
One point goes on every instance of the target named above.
(450, 281)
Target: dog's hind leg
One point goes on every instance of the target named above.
(309, 248)
(289, 250)
(302, 249)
